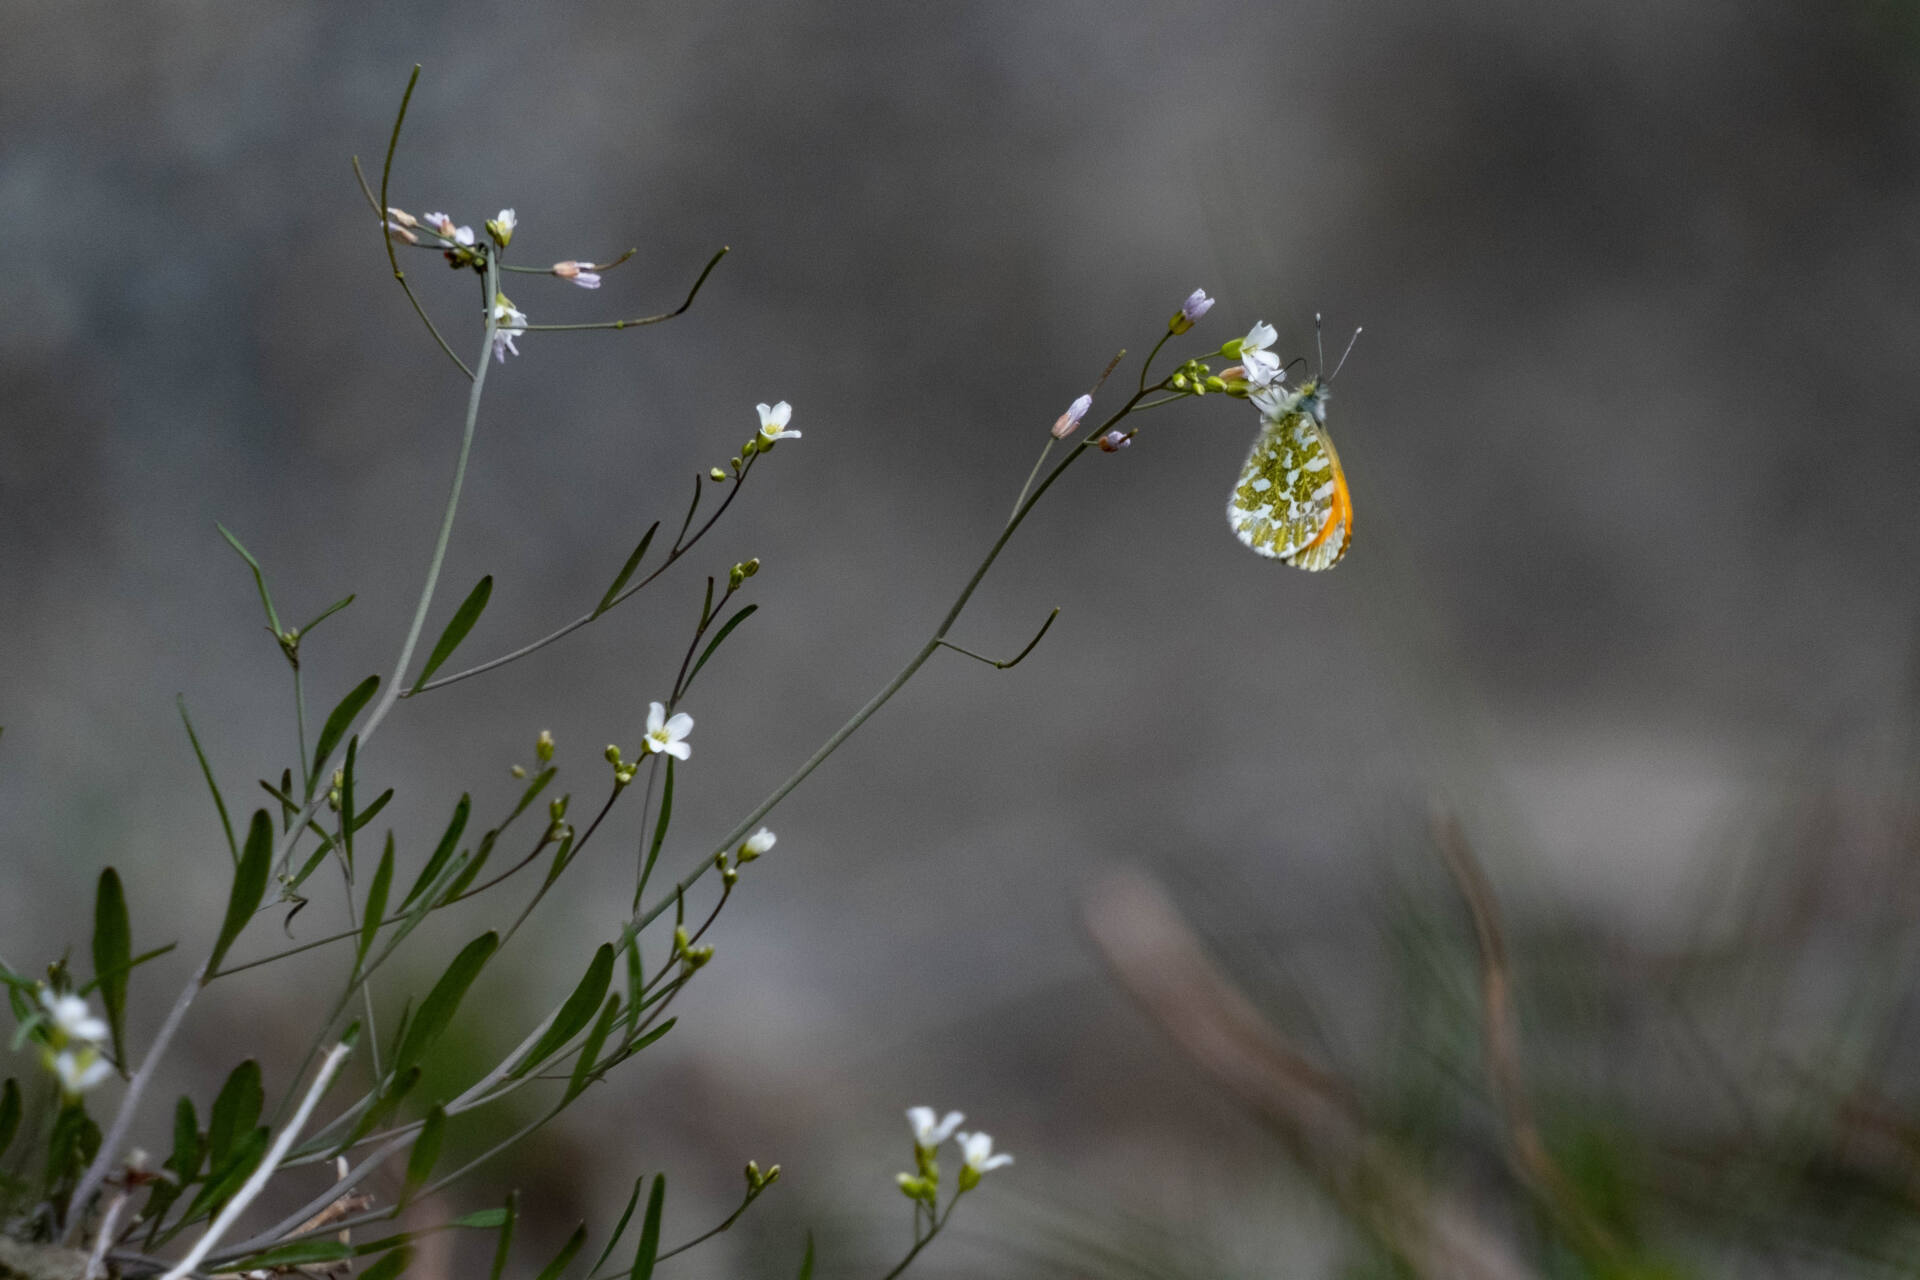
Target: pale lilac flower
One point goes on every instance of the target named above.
(1114, 441)
(1196, 305)
(773, 423)
(72, 1017)
(1069, 422)
(579, 273)
(440, 223)
(80, 1070)
(667, 736)
(508, 320)
(930, 1129)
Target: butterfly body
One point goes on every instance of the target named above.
(1291, 501)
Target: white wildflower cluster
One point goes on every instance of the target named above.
(930, 1131)
(75, 1037)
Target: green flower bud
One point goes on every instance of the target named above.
(752, 566)
(715, 473)
(969, 1177)
(543, 746)
(613, 754)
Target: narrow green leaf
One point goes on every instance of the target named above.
(630, 943)
(259, 578)
(459, 883)
(235, 1111)
(288, 808)
(706, 608)
(437, 1010)
(129, 966)
(367, 814)
(575, 1013)
(425, 1153)
(481, 1220)
(112, 955)
(390, 1266)
(648, 1038)
(444, 851)
(649, 1250)
(224, 1180)
(560, 1260)
(325, 613)
(249, 886)
(206, 771)
(659, 835)
(188, 1150)
(505, 1244)
(376, 1115)
(347, 824)
(376, 902)
(534, 788)
(311, 865)
(300, 1253)
(10, 1115)
(806, 1262)
(462, 622)
(619, 1228)
(714, 643)
(590, 1049)
(626, 571)
(337, 725)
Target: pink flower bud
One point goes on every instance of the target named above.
(1069, 422)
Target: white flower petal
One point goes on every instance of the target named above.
(678, 750)
(656, 717)
(680, 726)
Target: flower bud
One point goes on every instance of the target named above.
(401, 218)
(543, 746)
(1116, 440)
(736, 576)
(612, 753)
(715, 473)
(752, 566)
(1196, 305)
(557, 809)
(1069, 422)
(518, 771)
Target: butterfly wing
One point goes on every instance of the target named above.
(1291, 502)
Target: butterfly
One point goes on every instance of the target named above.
(1291, 501)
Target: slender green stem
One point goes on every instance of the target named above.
(893, 686)
(1037, 464)
(926, 1239)
(643, 320)
(300, 718)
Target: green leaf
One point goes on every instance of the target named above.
(366, 815)
(224, 1180)
(462, 622)
(390, 1267)
(471, 871)
(259, 579)
(188, 1150)
(575, 1013)
(426, 1151)
(10, 1115)
(560, 1260)
(437, 1010)
(129, 966)
(398, 1087)
(376, 903)
(298, 1254)
(112, 955)
(235, 1111)
(325, 613)
(806, 1262)
(626, 571)
(534, 788)
(484, 1219)
(649, 1249)
(659, 836)
(311, 865)
(249, 887)
(440, 855)
(714, 643)
(337, 724)
(590, 1050)
(206, 771)
(505, 1244)
(347, 825)
(619, 1228)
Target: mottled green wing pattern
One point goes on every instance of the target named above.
(1291, 502)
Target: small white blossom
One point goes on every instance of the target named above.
(667, 736)
(501, 228)
(72, 1017)
(1069, 422)
(929, 1129)
(80, 1070)
(756, 844)
(978, 1150)
(508, 321)
(578, 272)
(1261, 365)
(773, 423)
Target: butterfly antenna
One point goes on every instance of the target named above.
(1318, 346)
(1344, 354)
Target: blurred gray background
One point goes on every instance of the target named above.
(1630, 434)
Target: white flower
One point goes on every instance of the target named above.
(668, 736)
(1069, 422)
(508, 320)
(79, 1070)
(756, 844)
(978, 1150)
(929, 1131)
(578, 272)
(773, 423)
(72, 1017)
(501, 228)
(1261, 365)
(463, 235)
(440, 222)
